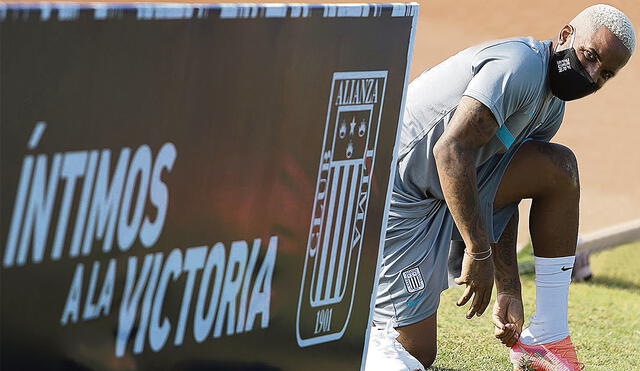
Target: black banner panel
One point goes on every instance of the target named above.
(195, 187)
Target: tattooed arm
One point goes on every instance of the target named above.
(505, 259)
(472, 126)
(508, 313)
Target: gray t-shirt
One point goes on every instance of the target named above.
(508, 76)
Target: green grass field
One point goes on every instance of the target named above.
(604, 318)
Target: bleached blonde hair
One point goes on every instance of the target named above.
(616, 21)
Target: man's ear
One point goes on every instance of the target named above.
(564, 34)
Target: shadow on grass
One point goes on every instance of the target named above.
(613, 282)
(527, 268)
(526, 265)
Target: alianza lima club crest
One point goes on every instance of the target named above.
(337, 224)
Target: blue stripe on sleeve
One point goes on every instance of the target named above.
(505, 136)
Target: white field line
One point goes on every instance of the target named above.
(606, 238)
(610, 237)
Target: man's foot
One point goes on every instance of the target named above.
(558, 356)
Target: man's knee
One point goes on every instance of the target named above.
(562, 166)
(427, 357)
(420, 340)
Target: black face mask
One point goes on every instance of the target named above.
(568, 79)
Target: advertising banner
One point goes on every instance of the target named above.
(195, 187)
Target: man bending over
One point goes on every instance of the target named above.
(475, 141)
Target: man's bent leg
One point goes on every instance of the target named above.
(420, 339)
(414, 271)
(547, 173)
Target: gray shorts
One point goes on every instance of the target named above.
(419, 232)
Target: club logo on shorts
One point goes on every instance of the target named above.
(340, 206)
(413, 279)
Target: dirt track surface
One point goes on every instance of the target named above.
(603, 130)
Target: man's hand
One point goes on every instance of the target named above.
(478, 276)
(508, 317)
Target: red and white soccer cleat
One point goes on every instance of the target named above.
(558, 356)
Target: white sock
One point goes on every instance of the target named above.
(551, 322)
